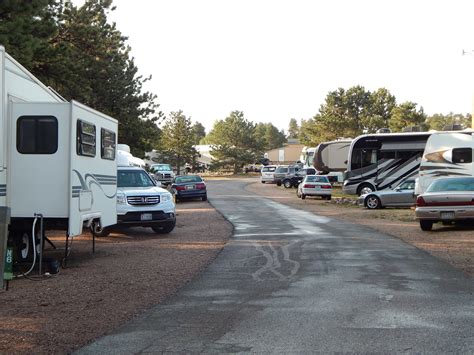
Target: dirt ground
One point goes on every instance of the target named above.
(98, 292)
(454, 244)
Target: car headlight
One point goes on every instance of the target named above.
(121, 199)
(166, 197)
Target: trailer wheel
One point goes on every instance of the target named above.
(23, 245)
(98, 231)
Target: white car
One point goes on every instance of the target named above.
(268, 174)
(315, 185)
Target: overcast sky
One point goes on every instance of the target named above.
(276, 60)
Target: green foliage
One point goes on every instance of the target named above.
(406, 115)
(293, 129)
(269, 136)
(439, 121)
(199, 132)
(83, 57)
(234, 142)
(177, 141)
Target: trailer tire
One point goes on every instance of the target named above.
(98, 231)
(21, 240)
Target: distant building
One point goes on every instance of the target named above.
(289, 153)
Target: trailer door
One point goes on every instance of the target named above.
(38, 159)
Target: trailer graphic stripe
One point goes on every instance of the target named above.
(3, 190)
(89, 179)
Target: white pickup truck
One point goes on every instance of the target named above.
(163, 173)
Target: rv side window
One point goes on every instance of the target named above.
(37, 135)
(85, 139)
(108, 144)
(462, 155)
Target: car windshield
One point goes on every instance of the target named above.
(161, 167)
(316, 178)
(133, 178)
(456, 184)
(407, 185)
(281, 170)
(269, 169)
(189, 178)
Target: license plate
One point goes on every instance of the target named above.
(447, 215)
(146, 217)
(189, 187)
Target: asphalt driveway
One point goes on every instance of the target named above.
(290, 281)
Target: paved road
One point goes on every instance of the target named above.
(293, 282)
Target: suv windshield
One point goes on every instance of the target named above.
(161, 167)
(133, 178)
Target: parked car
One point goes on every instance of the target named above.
(163, 173)
(267, 174)
(446, 200)
(140, 203)
(401, 196)
(294, 179)
(189, 186)
(283, 171)
(315, 185)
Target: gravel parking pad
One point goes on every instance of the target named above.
(128, 274)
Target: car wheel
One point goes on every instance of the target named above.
(328, 197)
(372, 202)
(298, 193)
(365, 189)
(263, 182)
(204, 198)
(287, 184)
(303, 196)
(426, 225)
(164, 228)
(98, 231)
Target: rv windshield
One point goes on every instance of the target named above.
(133, 178)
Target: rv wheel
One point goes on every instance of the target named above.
(98, 231)
(365, 189)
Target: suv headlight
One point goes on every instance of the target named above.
(121, 199)
(166, 197)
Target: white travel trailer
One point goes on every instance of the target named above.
(446, 154)
(57, 161)
(125, 158)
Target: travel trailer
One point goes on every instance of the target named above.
(57, 162)
(446, 154)
(383, 160)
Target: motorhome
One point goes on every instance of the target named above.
(383, 160)
(332, 156)
(57, 161)
(446, 154)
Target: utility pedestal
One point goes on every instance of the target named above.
(4, 222)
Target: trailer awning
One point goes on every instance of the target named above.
(393, 146)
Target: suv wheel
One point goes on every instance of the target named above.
(287, 183)
(164, 228)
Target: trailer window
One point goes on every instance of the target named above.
(108, 144)
(85, 139)
(462, 155)
(37, 135)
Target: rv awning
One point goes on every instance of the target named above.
(403, 146)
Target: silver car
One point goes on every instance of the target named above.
(401, 196)
(446, 200)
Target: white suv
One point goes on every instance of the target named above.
(141, 203)
(267, 173)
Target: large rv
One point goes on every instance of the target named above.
(446, 154)
(57, 162)
(332, 156)
(383, 160)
